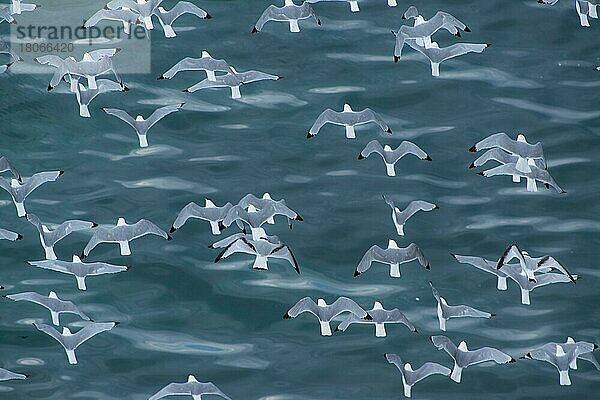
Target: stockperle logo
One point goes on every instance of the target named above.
(65, 29)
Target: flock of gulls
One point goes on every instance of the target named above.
(252, 215)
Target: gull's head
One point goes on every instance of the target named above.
(139, 118)
(377, 306)
(347, 107)
(392, 244)
(434, 45)
(260, 232)
(192, 378)
(76, 259)
(521, 138)
(408, 367)
(387, 148)
(87, 57)
(321, 303)
(525, 253)
(266, 196)
(45, 229)
(289, 3)
(411, 12)
(570, 340)
(205, 54)
(208, 203)
(53, 295)
(530, 162)
(121, 222)
(162, 10)
(560, 351)
(140, 1)
(66, 331)
(251, 209)
(463, 346)
(14, 183)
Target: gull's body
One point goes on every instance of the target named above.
(399, 217)
(232, 80)
(536, 174)
(85, 96)
(353, 3)
(437, 55)
(324, 312)
(6, 375)
(519, 151)
(516, 273)
(290, 13)
(6, 165)
(126, 16)
(410, 376)
(19, 191)
(484, 265)
(210, 212)
(51, 302)
(79, 269)
(205, 63)
(561, 356)
(5, 234)
(531, 265)
(463, 357)
(255, 218)
(122, 234)
(420, 33)
(167, 17)
(262, 248)
(49, 238)
(267, 201)
(380, 317)
(391, 156)
(190, 388)
(7, 15)
(141, 125)
(446, 311)
(393, 256)
(71, 341)
(349, 119)
(144, 8)
(17, 7)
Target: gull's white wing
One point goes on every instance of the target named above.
(122, 115)
(6, 375)
(227, 241)
(50, 331)
(254, 76)
(466, 311)
(305, 304)
(407, 147)
(373, 254)
(345, 304)
(125, 15)
(162, 112)
(327, 116)
(372, 147)
(37, 180)
(271, 13)
(443, 343)
(145, 227)
(487, 354)
(241, 245)
(372, 116)
(91, 330)
(172, 389)
(182, 7)
(550, 262)
(427, 369)
(67, 228)
(9, 235)
(417, 205)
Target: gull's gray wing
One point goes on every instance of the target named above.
(125, 15)
(173, 389)
(254, 76)
(32, 297)
(271, 13)
(145, 227)
(196, 64)
(6, 165)
(327, 116)
(398, 316)
(550, 262)
(345, 304)
(465, 311)
(182, 7)
(122, 115)
(372, 147)
(162, 112)
(549, 278)
(373, 254)
(191, 210)
(67, 228)
(50, 331)
(544, 176)
(305, 304)
(495, 154)
(240, 245)
(98, 237)
(369, 115)
(436, 294)
(414, 252)
(90, 331)
(407, 147)
(427, 369)
(590, 358)
(100, 268)
(443, 343)
(53, 265)
(206, 84)
(500, 140)
(480, 263)
(37, 180)
(487, 354)
(415, 206)
(283, 252)
(511, 253)
(227, 241)
(6, 375)
(10, 235)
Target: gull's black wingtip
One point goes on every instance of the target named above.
(428, 267)
(436, 207)
(396, 58)
(254, 30)
(492, 315)
(186, 91)
(360, 157)
(356, 273)
(403, 17)
(310, 135)
(368, 317)
(467, 29)
(319, 22)
(457, 34)
(60, 172)
(49, 88)
(286, 316)
(160, 78)
(19, 236)
(480, 173)
(208, 16)
(473, 149)
(116, 323)
(428, 158)
(512, 360)
(172, 229)
(488, 44)
(472, 165)
(169, 237)
(94, 225)
(388, 130)
(595, 346)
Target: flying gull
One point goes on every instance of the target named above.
(324, 312)
(399, 217)
(126, 16)
(205, 63)
(20, 190)
(410, 376)
(536, 174)
(349, 119)
(484, 265)
(55, 305)
(393, 255)
(167, 17)
(560, 357)
(353, 3)
(232, 80)
(391, 156)
(9, 235)
(192, 388)
(85, 96)
(255, 218)
(288, 13)
(6, 165)
(380, 317)
(437, 55)
(445, 311)
(210, 212)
